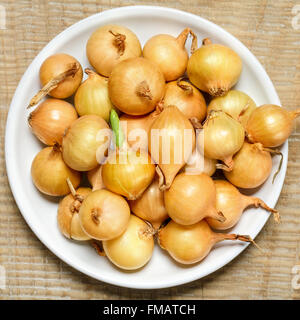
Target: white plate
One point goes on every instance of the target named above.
(21, 147)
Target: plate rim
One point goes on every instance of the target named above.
(9, 165)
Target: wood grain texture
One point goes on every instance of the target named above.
(265, 27)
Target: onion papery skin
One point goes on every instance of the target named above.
(214, 68)
(150, 206)
(105, 60)
(92, 97)
(170, 55)
(221, 137)
(55, 65)
(136, 86)
(235, 103)
(189, 101)
(187, 244)
(199, 164)
(134, 248)
(68, 218)
(49, 173)
(270, 125)
(104, 215)
(82, 142)
(128, 173)
(172, 126)
(50, 120)
(252, 166)
(95, 178)
(191, 198)
(136, 129)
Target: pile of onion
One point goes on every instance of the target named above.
(142, 134)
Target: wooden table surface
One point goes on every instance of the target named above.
(271, 30)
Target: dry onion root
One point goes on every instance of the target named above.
(92, 96)
(192, 198)
(67, 214)
(104, 215)
(232, 204)
(109, 45)
(136, 85)
(169, 53)
(235, 103)
(221, 138)
(150, 206)
(252, 166)
(134, 248)
(50, 120)
(171, 126)
(214, 68)
(271, 125)
(191, 244)
(87, 138)
(60, 76)
(187, 98)
(50, 173)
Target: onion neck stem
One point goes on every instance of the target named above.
(115, 125)
(181, 39)
(275, 151)
(232, 236)
(52, 84)
(119, 42)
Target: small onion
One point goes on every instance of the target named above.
(92, 96)
(109, 45)
(134, 248)
(188, 99)
(232, 204)
(104, 215)
(60, 76)
(67, 215)
(191, 244)
(169, 53)
(252, 166)
(199, 164)
(136, 85)
(128, 173)
(50, 120)
(214, 68)
(95, 178)
(136, 129)
(171, 150)
(221, 137)
(192, 198)
(150, 206)
(271, 125)
(49, 172)
(235, 103)
(82, 142)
